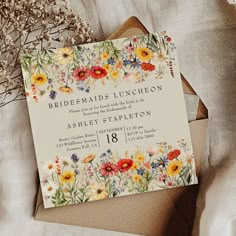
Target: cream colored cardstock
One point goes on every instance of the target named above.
(108, 119)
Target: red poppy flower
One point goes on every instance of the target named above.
(81, 74)
(173, 154)
(124, 165)
(147, 66)
(108, 169)
(98, 72)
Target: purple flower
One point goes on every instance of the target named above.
(111, 61)
(74, 158)
(53, 94)
(77, 172)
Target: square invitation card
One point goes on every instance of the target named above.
(108, 119)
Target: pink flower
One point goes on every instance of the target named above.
(81, 74)
(129, 76)
(129, 48)
(90, 173)
(108, 169)
(163, 177)
(152, 151)
(135, 40)
(169, 184)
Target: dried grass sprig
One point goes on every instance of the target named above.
(27, 25)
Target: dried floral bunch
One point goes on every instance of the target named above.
(26, 25)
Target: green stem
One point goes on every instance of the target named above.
(182, 179)
(95, 172)
(67, 75)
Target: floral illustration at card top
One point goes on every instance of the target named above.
(77, 69)
(74, 179)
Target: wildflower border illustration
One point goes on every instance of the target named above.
(67, 70)
(70, 180)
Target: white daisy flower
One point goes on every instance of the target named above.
(65, 161)
(49, 189)
(49, 167)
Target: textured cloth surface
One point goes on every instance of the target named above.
(205, 31)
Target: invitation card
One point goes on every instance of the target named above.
(108, 119)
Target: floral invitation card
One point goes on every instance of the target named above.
(108, 119)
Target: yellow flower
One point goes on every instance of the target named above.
(144, 54)
(161, 150)
(139, 157)
(64, 56)
(134, 166)
(88, 158)
(104, 56)
(107, 67)
(39, 79)
(97, 191)
(67, 177)
(66, 89)
(115, 74)
(136, 178)
(174, 167)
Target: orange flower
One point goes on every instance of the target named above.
(119, 64)
(66, 89)
(173, 154)
(147, 66)
(88, 158)
(147, 165)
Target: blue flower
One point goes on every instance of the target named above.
(126, 62)
(135, 63)
(53, 94)
(141, 171)
(103, 155)
(74, 158)
(154, 165)
(162, 161)
(83, 87)
(111, 61)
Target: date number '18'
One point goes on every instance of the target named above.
(112, 138)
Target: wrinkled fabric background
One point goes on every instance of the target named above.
(205, 31)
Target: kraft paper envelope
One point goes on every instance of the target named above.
(165, 212)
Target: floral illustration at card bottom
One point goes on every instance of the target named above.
(78, 69)
(69, 180)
